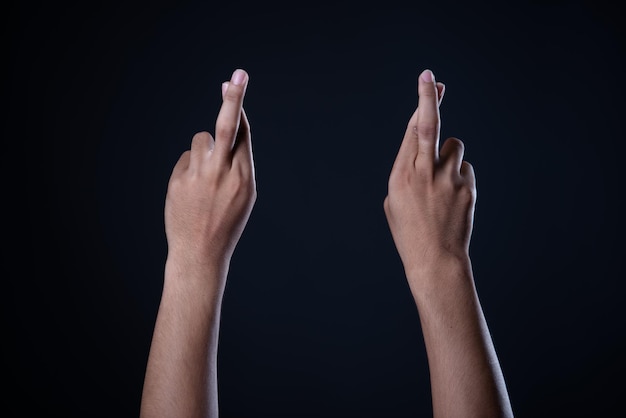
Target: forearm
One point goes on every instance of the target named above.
(181, 376)
(466, 379)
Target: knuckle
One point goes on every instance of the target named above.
(184, 156)
(176, 183)
(456, 144)
(225, 130)
(237, 185)
(233, 93)
(386, 204)
(399, 178)
(405, 178)
(242, 185)
(183, 161)
(467, 193)
(423, 172)
(201, 136)
(467, 171)
(427, 129)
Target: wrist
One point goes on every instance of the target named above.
(198, 254)
(185, 273)
(440, 272)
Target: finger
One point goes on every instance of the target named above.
(201, 144)
(441, 90)
(427, 120)
(228, 118)
(452, 155)
(242, 152)
(409, 146)
(468, 174)
(181, 165)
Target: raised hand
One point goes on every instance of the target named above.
(210, 196)
(212, 188)
(430, 211)
(431, 195)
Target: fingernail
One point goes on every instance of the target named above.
(238, 77)
(428, 76)
(224, 87)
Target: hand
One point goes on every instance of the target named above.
(431, 196)
(212, 188)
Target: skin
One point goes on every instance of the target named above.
(210, 196)
(430, 211)
(429, 208)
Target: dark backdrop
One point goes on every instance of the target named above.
(101, 99)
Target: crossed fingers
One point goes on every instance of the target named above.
(232, 145)
(420, 145)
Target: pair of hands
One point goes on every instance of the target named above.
(429, 206)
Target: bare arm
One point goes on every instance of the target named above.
(430, 211)
(210, 195)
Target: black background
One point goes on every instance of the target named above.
(101, 98)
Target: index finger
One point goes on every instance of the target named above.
(408, 151)
(228, 118)
(428, 120)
